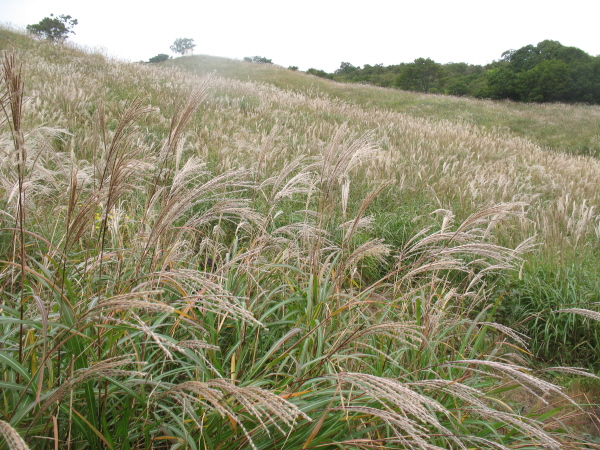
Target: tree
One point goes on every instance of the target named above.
(158, 58)
(345, 69)
(547, 72)
(548, 81)
(458, 87)
(55, 29)
(182, 45)
(526, 58)
(523, 59)
(586, 81)
(422, 75)
(501, 83)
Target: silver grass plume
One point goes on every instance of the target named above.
(108, 368)
(13, 439)
(398, 397)
(266, 407)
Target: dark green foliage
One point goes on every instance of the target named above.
(378, 74)
(422, 75)
(182, 45)
(526, 58)
(548, 81)
(585, 81)
(258, 60)
(294, 68)
(548, 72)
(458, 88)
(501, 83)
(55, 29)
(345, 68)
(462, 79)
(319, 73)
(523, 59)
(158, 58)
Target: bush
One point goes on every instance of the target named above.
(458, 88)
(556, 339)
(158, 58)
(319, 73)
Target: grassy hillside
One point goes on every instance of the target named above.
(569, 128)
(192, 261)
(463, 154)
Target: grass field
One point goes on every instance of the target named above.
(565, 128)
(210, 254)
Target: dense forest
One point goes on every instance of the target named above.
(547, 72)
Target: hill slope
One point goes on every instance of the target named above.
(566, 128)
(207, 262)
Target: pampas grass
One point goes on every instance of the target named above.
(194, 277)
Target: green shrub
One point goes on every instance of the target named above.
(159, 58)
(556, 339)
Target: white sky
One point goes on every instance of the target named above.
(321, 33)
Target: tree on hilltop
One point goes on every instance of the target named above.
(55, 29)
(422, 75)
(346, 68)
(182, 45)
(547, 72)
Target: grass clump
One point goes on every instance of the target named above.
(557, 339)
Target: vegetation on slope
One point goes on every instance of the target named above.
(202, 262)
(450, 160)
(546, 72)
(566, 128)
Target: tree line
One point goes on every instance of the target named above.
(547, 72)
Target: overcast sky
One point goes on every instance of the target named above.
(321, 33)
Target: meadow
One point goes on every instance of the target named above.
(254, 258)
